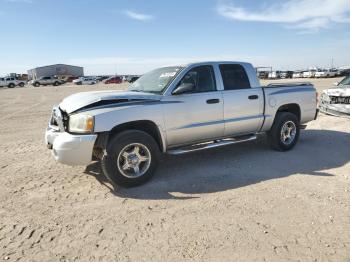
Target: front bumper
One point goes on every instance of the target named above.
(68, 149)
(335, 110)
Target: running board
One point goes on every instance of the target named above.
(211, 144)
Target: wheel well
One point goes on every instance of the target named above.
(291, 108)
(146, 126)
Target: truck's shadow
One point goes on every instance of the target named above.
(178, 177)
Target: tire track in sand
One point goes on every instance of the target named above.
(42, 99)
(11, 102)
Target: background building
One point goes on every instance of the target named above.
(56, 70)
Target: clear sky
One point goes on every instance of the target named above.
(133, 36)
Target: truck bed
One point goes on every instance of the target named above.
(291, 84)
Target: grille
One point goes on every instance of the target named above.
(340, 99)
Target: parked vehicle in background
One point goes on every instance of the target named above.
(263, 74)
(286, 74)
(133, 79)
(11, 82)
(114, 80)
(297, 74)
(326, 73)
(46, 80)
(310, 73)
(275, 75)
(102, 78)
(336, 101)
(176, 110)
(85, 80)
(67, 79)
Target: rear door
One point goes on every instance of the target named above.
(196, 115)
(243, 104)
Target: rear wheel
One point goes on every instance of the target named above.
(132, 158)
(56, 83)
(36, 84)
(21, 84)
(285, 131)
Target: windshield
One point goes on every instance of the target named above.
(155, 81)
(345, 81)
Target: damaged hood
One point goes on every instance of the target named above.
(78, 101)
(339, 91)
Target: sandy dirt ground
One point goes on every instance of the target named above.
(238, 203)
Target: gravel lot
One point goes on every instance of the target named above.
(238, 203)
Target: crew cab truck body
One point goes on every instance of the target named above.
(176, 110)
(11, 82)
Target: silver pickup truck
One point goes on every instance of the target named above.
(176, 110)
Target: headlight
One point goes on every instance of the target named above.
(81, 124)
(325, 98)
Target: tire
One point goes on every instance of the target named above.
(56, 83)
(278, 139)
(11, 85)
(114, 161)
(21, 84)
(36, 84)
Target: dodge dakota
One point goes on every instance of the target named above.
(176, 110)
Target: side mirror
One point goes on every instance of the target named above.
(336, 83)
(184, 88)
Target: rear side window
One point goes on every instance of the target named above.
(234, 77)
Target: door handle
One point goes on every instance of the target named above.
(213, 101)
(253, 97)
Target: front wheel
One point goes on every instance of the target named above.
(131, 158)
(285, 131)
(11, 85)
(21, 84)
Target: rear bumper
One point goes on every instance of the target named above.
(68, 149)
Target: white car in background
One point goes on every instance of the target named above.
(297, 74)
(326, 73)
(11, 82)
(336, 100)
(85, 81)
(275, 74)
(309, 74)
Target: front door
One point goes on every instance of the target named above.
(196, 114)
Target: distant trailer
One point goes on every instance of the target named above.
(55, 70)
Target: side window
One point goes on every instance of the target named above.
(234, 77)
(202, 78)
